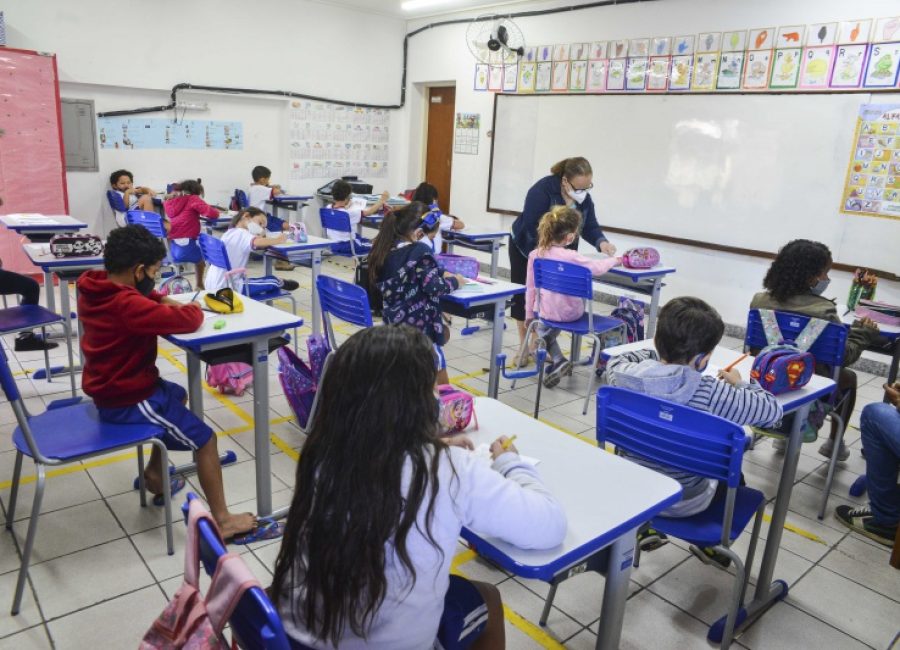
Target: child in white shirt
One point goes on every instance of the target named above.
(244, 235)
(260, 190)
(428, 194)
(356, 208)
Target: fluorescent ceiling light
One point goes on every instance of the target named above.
(412, 5)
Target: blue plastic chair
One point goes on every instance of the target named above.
(215, 254)
(255, 623)
(340, 221)
(65, 433)
(571, 280)
(828, 350)
(153, 222)
(24, 318)
(344, 301)
(689, 440)
(240, 197)
(118, 206)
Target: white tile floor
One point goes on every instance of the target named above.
(100, 573)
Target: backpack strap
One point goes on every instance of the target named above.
(196, 512)
(770, 326)
(229, 583)
(810, 333)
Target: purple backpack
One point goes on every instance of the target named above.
(464, 265)
(785, 365)
(232, 377)
(298, 384)
(630, 312)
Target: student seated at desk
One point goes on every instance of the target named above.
(355, 207)
(134, 198)
(880, 427)
(406, 273)
(795, 282)
(122, 316)
(379, 503)
(428, 194)
(687, 332)
(184, 210)
(556, 231)
(260, 190)
(247, 233)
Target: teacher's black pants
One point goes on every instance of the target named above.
(518, 272)
(12, 283)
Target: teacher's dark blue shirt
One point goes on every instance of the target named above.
(542, 196)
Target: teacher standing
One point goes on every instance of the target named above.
(567, 184)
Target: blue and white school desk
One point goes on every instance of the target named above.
(798, 402)
(253, 327)
(606, 498)
(41, 227)
(222, 222)
(298, 252)
(290, 203)
(890, 334)
(488, 292)
(478, 238)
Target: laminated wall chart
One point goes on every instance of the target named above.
(156, 133)
(873, 177)
(330, 141)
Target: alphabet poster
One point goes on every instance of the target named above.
(873, 177)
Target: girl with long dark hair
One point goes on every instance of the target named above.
(379, 501)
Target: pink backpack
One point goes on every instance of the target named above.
(457, 409)
(232, 377)
(190, 621)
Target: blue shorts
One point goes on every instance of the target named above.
(262, 285)
(440, 361)
(465, 615)
(184, 431)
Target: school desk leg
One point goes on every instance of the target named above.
(768, 592)
(261, 446)
(615, 593)
(267, 260)
(496, 347)
(316, 307)
(495, 255)
(654, 307)
(48, 290)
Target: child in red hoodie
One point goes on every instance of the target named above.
(122, 316)
(184, 210)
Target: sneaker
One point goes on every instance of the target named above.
(29, 341)
(290, 285)
(828, 447)
(710, 555)
(555, 372)
(861, 520)
(650, 539)
(283, 265)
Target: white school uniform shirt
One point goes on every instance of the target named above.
(238, 243)
(446, 225)
(505, 500)
(258, 195)
(132, 200)
(354, 209)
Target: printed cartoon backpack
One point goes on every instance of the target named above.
(299, 384)
(457, 409)
(785, 365)
(191, 621)
(232, 377)
(630, 312)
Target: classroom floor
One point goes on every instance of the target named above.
(100, 573)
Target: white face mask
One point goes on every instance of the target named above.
(578, 195)
(819, 287)
(255, 228)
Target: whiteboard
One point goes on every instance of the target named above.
(746, 171)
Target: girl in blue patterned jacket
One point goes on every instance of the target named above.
(407, 274)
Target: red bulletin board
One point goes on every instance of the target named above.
(32, 167)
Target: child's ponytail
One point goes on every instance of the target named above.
(397, 224)
(556, 224)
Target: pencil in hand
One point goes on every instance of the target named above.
(508, 443)
(735, 362)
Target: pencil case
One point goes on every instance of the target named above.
(462, 264)
(643, 257)
(880, 312)
(69, 245)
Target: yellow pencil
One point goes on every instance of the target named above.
(506, 445)
(735, 362)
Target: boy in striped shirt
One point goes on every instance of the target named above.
(687, 332)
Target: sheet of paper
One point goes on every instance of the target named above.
(34, 220)
(483, 451)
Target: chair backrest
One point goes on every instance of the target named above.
(241, 198)
(213, 251)
(345, 301)
(828, 349)
(565, 278)
(149, 220)
(116, 202)
(255, 621)
(335, 220)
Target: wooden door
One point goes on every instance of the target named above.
(439, 147)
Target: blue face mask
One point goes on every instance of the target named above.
(819, 287)
(695, 364)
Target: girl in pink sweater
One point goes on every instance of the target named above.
(556, 231)
(184, 210)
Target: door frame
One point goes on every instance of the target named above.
(422, 110)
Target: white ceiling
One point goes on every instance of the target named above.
(392, 7)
